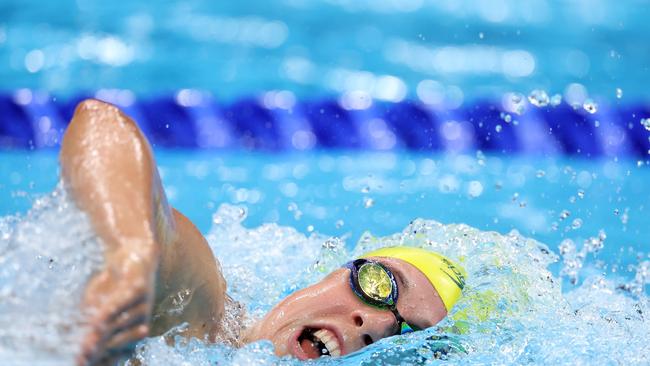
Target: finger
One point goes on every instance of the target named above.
(101, 340)
(137, 303)
(126, 339)
(108, 321)
(128, 318)
(108, 310)
(89, 348)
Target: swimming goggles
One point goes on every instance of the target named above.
(375, 285)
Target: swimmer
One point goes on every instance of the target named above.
(154, 256)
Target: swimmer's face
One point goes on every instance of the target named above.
(331, 313)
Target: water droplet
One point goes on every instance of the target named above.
(564, 214)
(625, 217)
(645, 122)
(475, 189)
(619, 93)
(538, 98)
(581, 193)
(556, 100)
(517, 103)
(576, 224)
(540, 173)
(368, 202)
(566, 246)
(590, 106)
(498, 128)
(339, 224)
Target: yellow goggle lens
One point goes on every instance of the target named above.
(375, 282)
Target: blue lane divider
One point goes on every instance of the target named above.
(193, 119)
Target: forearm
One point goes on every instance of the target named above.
(107, 166)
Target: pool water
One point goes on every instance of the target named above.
(555, 249)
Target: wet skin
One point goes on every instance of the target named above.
(154, 255)
(331, 304)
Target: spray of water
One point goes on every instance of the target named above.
(46, 257)
(513, 310)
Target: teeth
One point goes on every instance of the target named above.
(330, 341)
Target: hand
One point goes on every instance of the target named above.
(118, 302)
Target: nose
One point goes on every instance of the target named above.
(374, 324)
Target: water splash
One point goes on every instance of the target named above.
(513, 310)
(45, 259)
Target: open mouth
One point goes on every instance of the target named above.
(318, 342)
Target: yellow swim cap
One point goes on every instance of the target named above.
(445, 276)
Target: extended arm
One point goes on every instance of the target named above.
(151, 251)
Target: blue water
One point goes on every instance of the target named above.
(312, 48)
(348, 193)
(526, 302)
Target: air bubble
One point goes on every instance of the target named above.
(538, 98)
(540, 173)
(590, 106)
(581, 193)
(498, 128)
(616, 211)
(506, 117)
(619, 93)
(339, 224)
(365, 189)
